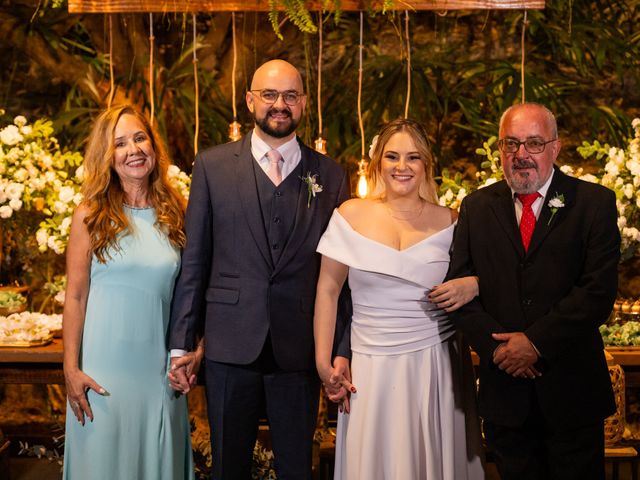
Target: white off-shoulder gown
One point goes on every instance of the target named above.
(413, 416)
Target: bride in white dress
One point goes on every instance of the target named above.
(409, 413)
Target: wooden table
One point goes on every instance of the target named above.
(32, 364)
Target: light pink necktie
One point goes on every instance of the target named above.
(275, 166)
(528, 219)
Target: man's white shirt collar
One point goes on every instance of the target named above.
(537, 205)
(290, 152)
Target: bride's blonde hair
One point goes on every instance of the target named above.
(427, 190)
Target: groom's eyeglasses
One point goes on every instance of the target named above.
(531, 145)
(290, 97)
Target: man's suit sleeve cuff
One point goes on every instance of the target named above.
(176, 352)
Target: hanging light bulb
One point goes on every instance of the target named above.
(234, 127)
(321, 145)
(362, 188)
(234, 131)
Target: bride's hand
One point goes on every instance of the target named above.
(336, 381)
(453, 294)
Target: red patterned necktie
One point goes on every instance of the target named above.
(275, 168)
(528, 219)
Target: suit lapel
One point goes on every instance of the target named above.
(506, 214)
(248, 193)
(547, 220)
(304, 213)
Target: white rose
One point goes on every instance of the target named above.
(372, 147)
(42, 236)
(65, 224)
(635, 123)
(556, 203)
(50, 176)
(26, 130)
(80, 172)
(622, 222)
(489, 181)
(448, 196)
(10, 135)
(567, 169)
(634, 166)
(14, 190)
(15, 204)
(612, 168)
(59, 207)
(37, 183)
(20, 175)
(47, 161)
(628, 190)
(6, 211)
(172, 171)
(589, 178)
(20, 121)
(461, 194)
(77, 198)
(66, 194)
(442, 201)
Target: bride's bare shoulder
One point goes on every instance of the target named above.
(355, 209)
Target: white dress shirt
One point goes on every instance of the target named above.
(535, 206)
(290, 152)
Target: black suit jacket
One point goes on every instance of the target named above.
(557, 294)
(228, 286)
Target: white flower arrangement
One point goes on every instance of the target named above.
(36, 177)
(28, 327)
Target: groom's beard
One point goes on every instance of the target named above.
(276, 129)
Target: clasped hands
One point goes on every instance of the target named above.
(183, 372)
(336, 381)
(516, 355)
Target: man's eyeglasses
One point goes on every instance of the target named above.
(290, 97)
(531, 145)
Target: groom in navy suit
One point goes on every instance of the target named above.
(247, 284)
(545, 248)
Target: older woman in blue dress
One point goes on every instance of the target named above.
(123, 421)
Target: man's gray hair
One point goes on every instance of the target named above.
(550, 116)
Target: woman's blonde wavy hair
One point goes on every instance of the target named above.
(376, 186)
(103, 194)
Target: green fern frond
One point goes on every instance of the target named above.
(274, 18)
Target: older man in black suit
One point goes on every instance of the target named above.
(545, 247)
(248, 279)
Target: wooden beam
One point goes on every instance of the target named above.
(132, 6)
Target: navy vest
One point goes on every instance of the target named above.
(278, 205)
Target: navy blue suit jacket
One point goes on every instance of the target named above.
(228, 288)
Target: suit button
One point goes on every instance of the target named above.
(278, 194)
(276, 220)
(275, 246)
(527, 302)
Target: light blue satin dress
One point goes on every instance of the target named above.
(140, 429)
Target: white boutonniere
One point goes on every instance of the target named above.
(555, 204)
(313, 186)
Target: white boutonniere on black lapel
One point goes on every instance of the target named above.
(555, 204)
(313, 187)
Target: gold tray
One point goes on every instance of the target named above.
(25, 344)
